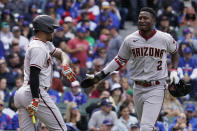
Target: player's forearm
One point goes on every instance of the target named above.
(63, 57)
(114, 65)
(175, 60)
(34, 81)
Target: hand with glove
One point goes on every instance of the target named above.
(33, 107)
(68, 73)
(93, 79)
(174, 76)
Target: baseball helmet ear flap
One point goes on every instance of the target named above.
(180, 89)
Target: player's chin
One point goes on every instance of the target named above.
(142, 28)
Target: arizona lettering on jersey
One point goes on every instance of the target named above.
(148, 56)
(148, 51)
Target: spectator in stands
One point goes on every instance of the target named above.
(7, 73)
(5, 121)
(23, 41)
(164, 26)
(190, 114)
(116, 94)
(41, 4)
(189, 19)
(67, 9)
(26, 31)
(17, 6)
(2, 52)
(98, 117)
(15, 122)
(106, 125)
(125, 86)
(125, 120)
(79, 72)
(67, 27)
(19, 83)
(171, 105)
(75, 95)
(14, 63)
(4, 93)
(73, 117)
(181, 124)
(32, 13)
(6, 36)
(78, 47)
(87, 20)
(11, 109)
(15, 49)
(124, 72)
(59, 39)
(93, 8)
(96, 105)
(129, 95)
(135, 127)
(97, 64)
(19, 21)
(169, 12)
(54, 95)
(114, 78)
(114, 43)
(101, 51)
(187, 69)
(7, 17)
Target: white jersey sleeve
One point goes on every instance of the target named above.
(37, 57)
(124, 51)
(51, 47)
(172, 45)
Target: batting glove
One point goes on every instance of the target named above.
(33, 107)
(174, 77)
(68, 73)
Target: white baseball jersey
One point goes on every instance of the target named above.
(148, 56)
(39, 54)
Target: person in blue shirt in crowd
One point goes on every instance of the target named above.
(187, 69)
(1, 50)
(5, 121)
(75, 95)
(15, 122)
(160, 126)
(190, 112)
(54, 95)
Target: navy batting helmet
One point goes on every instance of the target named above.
(44, 23)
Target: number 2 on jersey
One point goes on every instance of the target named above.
(159, 67)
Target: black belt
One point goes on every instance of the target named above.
(146, 83)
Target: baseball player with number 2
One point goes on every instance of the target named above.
(147, 51)
(32, 98)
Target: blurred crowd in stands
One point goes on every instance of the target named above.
(89, 34)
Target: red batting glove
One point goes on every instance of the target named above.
(68, 73)
(33, 107)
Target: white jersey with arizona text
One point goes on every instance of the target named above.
(39, 54)
(148, 56)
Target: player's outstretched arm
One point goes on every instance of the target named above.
(66, 70)
(92, 79)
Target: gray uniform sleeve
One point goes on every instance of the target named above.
(124, 51)
(37, 57)
(92, 121)
(172, 45)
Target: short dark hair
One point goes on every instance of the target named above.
(150, 10)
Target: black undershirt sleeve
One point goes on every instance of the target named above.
(34, 81)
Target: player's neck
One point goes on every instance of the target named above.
(147, 34)
(41, 38)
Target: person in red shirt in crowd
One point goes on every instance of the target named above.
(78, 47)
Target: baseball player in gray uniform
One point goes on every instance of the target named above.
(32, 98)
(146, 50)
